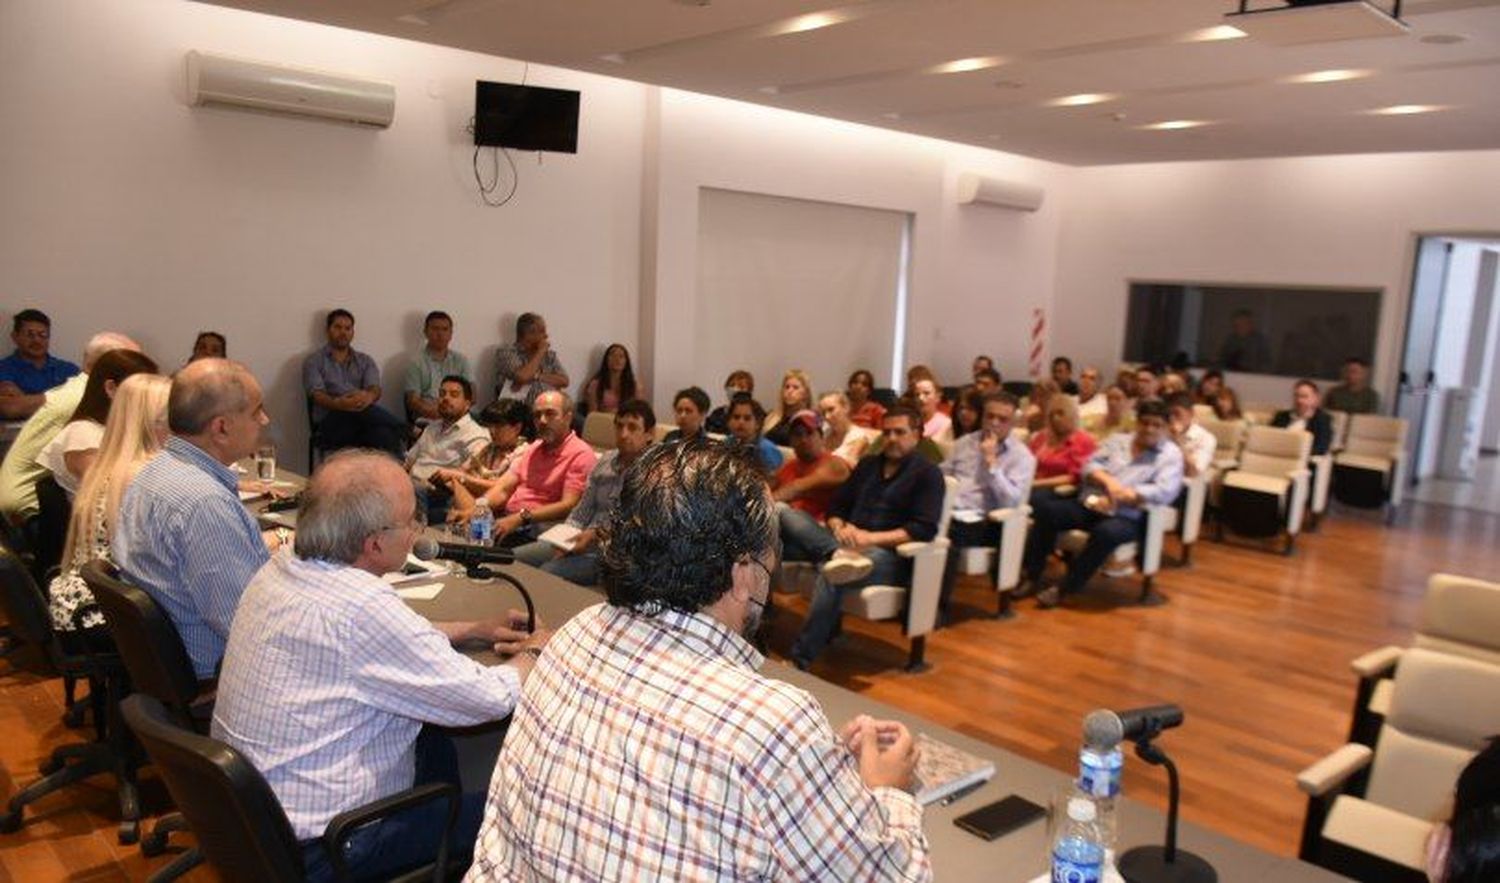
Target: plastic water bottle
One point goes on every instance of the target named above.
(1078, 851)
(482, 525)
(1099, 770)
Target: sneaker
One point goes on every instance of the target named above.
(1048, 598)
(844, 569)
(1116, 571)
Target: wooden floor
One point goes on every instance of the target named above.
(1253, 645)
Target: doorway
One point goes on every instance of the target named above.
(1449, 382)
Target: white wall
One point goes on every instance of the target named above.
(1340, 220)
(125, 208)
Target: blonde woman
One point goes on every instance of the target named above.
(135, 431)
(1061, 449)
(847, 441)
(796, 395)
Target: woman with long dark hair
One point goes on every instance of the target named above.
(69, 455)
(613, 383)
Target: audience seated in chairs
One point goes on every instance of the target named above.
(745, 418)
(1226, 405)
(449, 442)
(796, 395)
(1198, 444)
(864, 411)
(690, 407)
(1062, 375)
(1207, 390)
(981, 364)
(808, 480)
(209, 345)
(1353, 394)
(426, 372)
(548, 480)
(968, 412)
(612, 383)
(1091, 400)
(135, 432)
(577, 560)
(506, 421)
(1307, 414)
(1034, 417)
(31, 370)
(343, 385)
(1117, 416)
(888, 500)
(936, 424)
(1061, 450)
(1147, 384)
(69, 455)
(1127, 473)
(987, 381)
(529, 366)
(738, 381)
(182, 534)
(994, 471)
(841, 436)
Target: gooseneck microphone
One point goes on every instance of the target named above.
(1106, 729)
(427, 548)
(473, 558)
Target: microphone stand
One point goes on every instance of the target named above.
(1157, 864)
(476, 571)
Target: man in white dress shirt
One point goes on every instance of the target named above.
(329, 676)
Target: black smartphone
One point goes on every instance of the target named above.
(1001, 817)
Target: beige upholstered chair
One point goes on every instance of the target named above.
(1011, 549)
(1460, 616)
(1160, 521)
(661, 430)
(1267, 492)
(915, 605)
(1370, 471)
(599, 430)
(1369, 811)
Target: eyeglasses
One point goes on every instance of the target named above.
(417, 523)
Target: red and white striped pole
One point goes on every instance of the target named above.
(1038, 341)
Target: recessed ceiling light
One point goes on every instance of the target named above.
(962, 65)
(810, 22)
(1169, 125)
(1217, 32)
(1443, 39)
(1082, 99)
(1405, 109)
(1329, 76)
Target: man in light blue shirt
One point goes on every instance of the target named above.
(1127, 473)
(994, 471)
(343, 385)
(182, 535)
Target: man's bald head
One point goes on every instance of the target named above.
(104, 342)
(206, 389)
(355, 493)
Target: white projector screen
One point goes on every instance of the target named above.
(789, 283)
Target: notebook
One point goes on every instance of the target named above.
(943, 770)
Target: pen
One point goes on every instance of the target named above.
(965, 791)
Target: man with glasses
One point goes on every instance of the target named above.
(648, 745)
(182, 534)
(548, 480)
(329, 677)
(994, 471)
(27, 373)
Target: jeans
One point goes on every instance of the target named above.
(580, 569)
(963, 535)
(802, 537)
(408, 839)
(374, 427)
(1106, 533)
(827, 603)
(536, 553)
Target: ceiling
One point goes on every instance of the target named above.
(988, 72)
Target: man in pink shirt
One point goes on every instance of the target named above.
(548, 480)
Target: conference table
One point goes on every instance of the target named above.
(956, 855)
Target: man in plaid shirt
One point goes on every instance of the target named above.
(648, 747)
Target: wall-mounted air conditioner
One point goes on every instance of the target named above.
(974, 188)
(274, 87)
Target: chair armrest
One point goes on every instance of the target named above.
(1003, 515)
(1333, 770)
(914, 548)
(1377, 663)
(343, 825)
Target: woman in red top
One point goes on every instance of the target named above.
(1061, 448)
(864, 411)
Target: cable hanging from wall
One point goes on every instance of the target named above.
(487, 191)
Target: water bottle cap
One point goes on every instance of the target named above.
(1081, 809)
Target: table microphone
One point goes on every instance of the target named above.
(426, 549)
(1103, 728)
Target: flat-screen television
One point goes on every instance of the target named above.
(1294, 331)
(525, 117)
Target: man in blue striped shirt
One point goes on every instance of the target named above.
(182, 535)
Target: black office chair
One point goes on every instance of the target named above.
(111, 750)
(159, 667)
(884, 396)
(240, 825)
